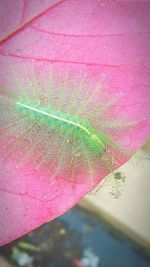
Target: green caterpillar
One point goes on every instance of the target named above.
(59, 128)
(95, 141)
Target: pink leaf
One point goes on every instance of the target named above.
(106, 41)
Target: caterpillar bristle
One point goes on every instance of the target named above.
(54, 127)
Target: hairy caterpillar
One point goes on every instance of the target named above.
(57, 129)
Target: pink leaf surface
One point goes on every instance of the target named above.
(108, 38)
